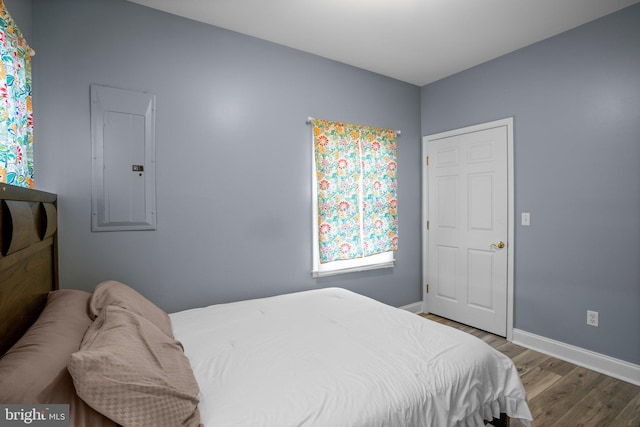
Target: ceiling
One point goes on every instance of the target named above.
(416, 41)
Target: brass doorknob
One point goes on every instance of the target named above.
(498, 245)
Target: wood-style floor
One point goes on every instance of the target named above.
(561, 394)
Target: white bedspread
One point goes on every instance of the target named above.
(333, 358)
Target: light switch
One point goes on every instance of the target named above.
(526, 218)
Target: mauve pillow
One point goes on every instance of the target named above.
(34, 370)
(116, 293)
(130, 371)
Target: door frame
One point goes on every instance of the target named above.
(508, 122)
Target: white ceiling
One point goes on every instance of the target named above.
(417, 41)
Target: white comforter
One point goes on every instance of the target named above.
(333, 358)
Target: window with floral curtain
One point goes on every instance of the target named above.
(16, 111)
(356, 208)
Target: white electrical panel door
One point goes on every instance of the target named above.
(123, 151)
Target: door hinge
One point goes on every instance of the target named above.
(426, 159)
(427, 225)
(426, 288)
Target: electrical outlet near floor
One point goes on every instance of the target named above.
(592, 318)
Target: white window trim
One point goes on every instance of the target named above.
(382, 260)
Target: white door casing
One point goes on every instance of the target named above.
(468, 208)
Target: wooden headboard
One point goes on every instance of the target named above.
(28, 258)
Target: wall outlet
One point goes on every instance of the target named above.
(592, 318)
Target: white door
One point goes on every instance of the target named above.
(468, 253)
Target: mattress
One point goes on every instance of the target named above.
(331, 357)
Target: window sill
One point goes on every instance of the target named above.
(319, 273)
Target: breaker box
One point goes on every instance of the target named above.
(123, 160)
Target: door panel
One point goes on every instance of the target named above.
(446, 272)
(480, 192)
(447, 194)
(480, 279)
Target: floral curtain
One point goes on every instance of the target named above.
(357, 204)
(16, 111)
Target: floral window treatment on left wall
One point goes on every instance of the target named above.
(356, 174)
(16, 111)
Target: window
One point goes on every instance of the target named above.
(16, 112)
(355, 224)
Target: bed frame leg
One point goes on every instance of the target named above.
(503, 421)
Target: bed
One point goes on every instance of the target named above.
(325, 357)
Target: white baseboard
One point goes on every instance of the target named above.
(610, 366)
(415, 307)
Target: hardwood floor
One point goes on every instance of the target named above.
(561, 394)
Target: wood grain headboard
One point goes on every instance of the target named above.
(28, 258)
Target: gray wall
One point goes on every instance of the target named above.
(575, 99)
(233, 154)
